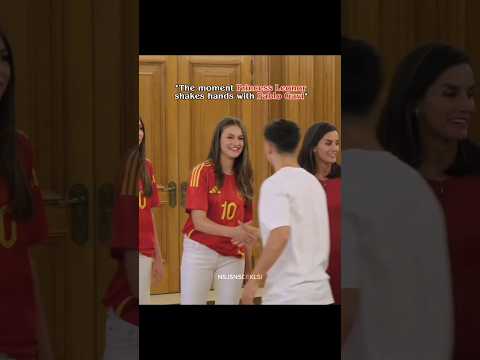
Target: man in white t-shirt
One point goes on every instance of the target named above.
(396, 298)
(294, 227)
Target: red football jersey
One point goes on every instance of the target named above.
(145, 205)
(18, 313)
(132, 217)
(459, 197)
(132, 229)
(333, 189)
(120, 298)
(225, 206)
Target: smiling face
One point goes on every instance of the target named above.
(448, 105)
(5, 69)
(232, 142)
(327, 148)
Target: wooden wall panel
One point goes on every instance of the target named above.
(276, 76)
(321, 75)
(198, 118)
(327, 90)
(76, 67)
(368, 26)
(266, 70)
(152, 109)
(203, 111)
(472, 45)
(115, 115)
(405, 25)
(79, 154)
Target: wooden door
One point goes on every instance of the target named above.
(39, 61)
(157, 107)
(75, 74)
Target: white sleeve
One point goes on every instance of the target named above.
(274, 207)
(351, 276)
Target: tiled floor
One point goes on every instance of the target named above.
(168, 299)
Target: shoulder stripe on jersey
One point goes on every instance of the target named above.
(195, 181)
(121, 306)
(194, 171)
(196, 175)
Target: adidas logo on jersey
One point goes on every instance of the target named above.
(214, 190)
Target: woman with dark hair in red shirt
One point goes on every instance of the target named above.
(135, 246)
(318, 155)
(425, 123)
(23, 330)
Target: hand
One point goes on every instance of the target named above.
(158, 269)
(241, 235)
(253, 232)
(246, 234)
(249, 291)
(246, 277)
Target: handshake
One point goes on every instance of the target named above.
(245, 234)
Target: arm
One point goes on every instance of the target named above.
(131, 267)
(158, 253)
(273, 249)
(158, 269)
(248, 260)
(349, 308)
(276, 243)
(248, 263)
(351, 274)
(45, 349)
(253, 235)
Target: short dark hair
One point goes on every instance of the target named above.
(284, 134)
(361, 77)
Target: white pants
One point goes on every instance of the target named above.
(201, 265)
(121, 340)
(144, 279)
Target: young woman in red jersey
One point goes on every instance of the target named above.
(318, 156)
(135, 246)
(23, 330)
(219, 204)
(148, 240)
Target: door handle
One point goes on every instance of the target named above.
(171, 188)
(77, 200)
(183, 193)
